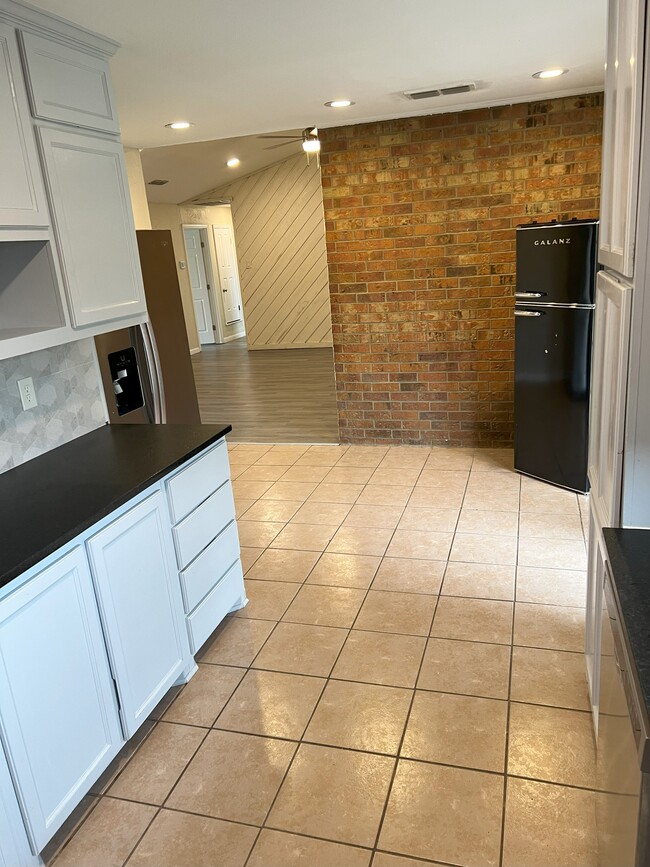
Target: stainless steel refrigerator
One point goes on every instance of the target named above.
(554, 310)
(147, 370)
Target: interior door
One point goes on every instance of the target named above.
(228, 273)
(199, 283)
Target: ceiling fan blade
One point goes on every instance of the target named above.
(296, 138)
(281, 145)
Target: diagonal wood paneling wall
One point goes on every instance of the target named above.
(280, 237)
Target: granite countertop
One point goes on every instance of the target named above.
(51, 499)
(629, 563)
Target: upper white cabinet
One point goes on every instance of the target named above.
(92, 216)
(142, 607)
(58, 713)
(68, 85)
(22, 194)
(621, 135)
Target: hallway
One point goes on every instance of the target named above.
(269, 396)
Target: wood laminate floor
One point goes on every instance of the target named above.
(271, 396)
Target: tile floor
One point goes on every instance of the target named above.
(404, 687)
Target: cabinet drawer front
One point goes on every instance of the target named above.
(205, 619)
(195, 483)
(68, 85)
(193, 534)
(202, 575)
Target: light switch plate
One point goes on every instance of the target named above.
(27, 393)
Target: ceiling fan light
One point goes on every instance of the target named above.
(311, 145)
(339, 103)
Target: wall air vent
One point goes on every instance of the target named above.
(157, 183)
(444, 90)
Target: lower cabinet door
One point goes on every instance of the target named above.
(58, 709)
(140, 602)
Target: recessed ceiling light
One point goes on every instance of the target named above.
(311, 145)
(339, 103)
(550, 73)
(179, 124)
(232, 163)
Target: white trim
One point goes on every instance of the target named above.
(232, 337)
(195, 351)
(207, 266)
(48, 24)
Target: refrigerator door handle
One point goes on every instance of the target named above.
(155, 375)
(528, 313)
(529, 294)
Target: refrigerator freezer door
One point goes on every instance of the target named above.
(557, 263)
(552, 362)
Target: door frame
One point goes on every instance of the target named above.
(215, 309)
(231, 229)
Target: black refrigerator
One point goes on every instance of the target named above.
(554, 310)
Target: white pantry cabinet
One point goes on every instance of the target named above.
(141, 605)
(58, 712)
(596, 560)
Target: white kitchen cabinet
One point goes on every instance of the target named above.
(597, 557)
(58, 710)
(14, 845)
(22, 194)
(621, 135)
(68, 85)
(141, 605)
(91, 211)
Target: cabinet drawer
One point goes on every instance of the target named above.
(202, 575)
(195, 483)
(68, 85)
(209, 614)
(196, 531)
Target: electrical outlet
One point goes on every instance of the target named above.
(27, 393)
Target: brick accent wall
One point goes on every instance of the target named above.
(420, 216)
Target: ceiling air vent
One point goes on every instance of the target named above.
(158, 182)
(445, 90)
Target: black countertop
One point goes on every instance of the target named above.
(629, 563)
(51, 499)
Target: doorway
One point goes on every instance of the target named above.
(198, 266)
(224, 244)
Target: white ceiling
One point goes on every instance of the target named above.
(239, 67)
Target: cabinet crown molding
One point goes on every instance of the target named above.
(27, 17)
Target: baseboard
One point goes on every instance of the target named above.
(292, 346)
(195, 351)
(234, 337)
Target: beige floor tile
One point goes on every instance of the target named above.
(180, 838)
(357, 540)
(395, 475)
(493, 460)
(336, 493)
(542, 498)
(150, 775)
(322, 456)
(552, 586)
(431, 498)
(551, 626)
(338, 794)
(446, 814)
(409, 576)
(289, 491)
(488, 523)
(282, 564)
(291, 850)
(479, 580)
(475, 548)
(473, 620)
(535, 734)
(553, 553)
(457, 730)
(250, 451)
(345, 570)
(282, 454)
(238, 469)
(341, 474)
(436, 520)
(260, 473)
(272, 510)
(108, 835)
(384, 859)
(258, 534)
(466, 667)
(379, 657)
(249, 490)
(385, 495)
(325, 606)
(551, 677)
(450, 459)
(249, 556)
(547, 824)
(403, 613)
(301, 649)
(304, 537)
(406, 456)
(497, 499)
(363, 456)
(205, 696)
(272, 703)
(267, 600)
(321, 513)
(242, 506)
(236, 642)
(233, 776)
(453, 481)
(360, 716)
(68, 828)
(420, 545)
(129, 749)
(305, 474)
(386, 517)
(541, 526)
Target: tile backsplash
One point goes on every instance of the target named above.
(69, 393)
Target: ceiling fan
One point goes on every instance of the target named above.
(308, 137)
